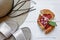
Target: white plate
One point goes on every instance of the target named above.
(31, 21)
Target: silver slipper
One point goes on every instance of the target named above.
(21, 34)
(7, 29)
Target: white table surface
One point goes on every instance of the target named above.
(31, 20)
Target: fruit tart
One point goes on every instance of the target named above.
(44, 20)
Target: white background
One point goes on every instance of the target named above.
(31, 20)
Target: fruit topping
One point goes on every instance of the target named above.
(47, 15)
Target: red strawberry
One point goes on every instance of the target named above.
(47, 26)
(47, 15)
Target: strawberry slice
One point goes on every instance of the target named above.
(47, 26)
(43, 20)
(47, 15)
